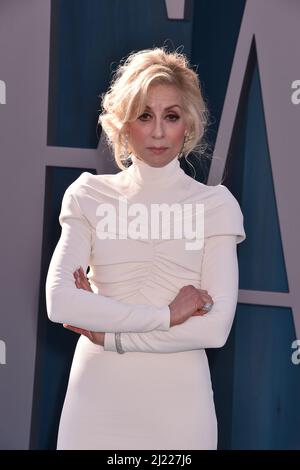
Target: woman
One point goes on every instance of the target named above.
(140, 377)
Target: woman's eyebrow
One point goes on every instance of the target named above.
(168, 107)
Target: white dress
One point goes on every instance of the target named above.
(158, 394)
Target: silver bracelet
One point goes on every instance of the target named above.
(118, 343)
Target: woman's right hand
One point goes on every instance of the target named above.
(188, 302)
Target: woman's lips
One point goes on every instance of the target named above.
(157, 150)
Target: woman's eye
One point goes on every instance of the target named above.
(173, 117)
(170, 117)
(144, 116)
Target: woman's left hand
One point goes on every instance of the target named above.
(82, 282)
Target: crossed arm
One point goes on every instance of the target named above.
(144, 328)
(220, 279)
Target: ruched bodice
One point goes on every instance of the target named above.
(157, 268)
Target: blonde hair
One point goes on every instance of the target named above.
(126, 97)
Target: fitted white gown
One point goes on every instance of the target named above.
(158, 394)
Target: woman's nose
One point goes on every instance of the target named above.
(158, 129)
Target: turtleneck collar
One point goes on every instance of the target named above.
(143, 173)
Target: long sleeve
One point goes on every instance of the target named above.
(220, 279)
(67, 304)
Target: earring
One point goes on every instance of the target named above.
(125, 157)
(185, 140)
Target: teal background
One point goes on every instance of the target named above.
(254, 380)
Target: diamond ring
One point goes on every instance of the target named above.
(207, 306)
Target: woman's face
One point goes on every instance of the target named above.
(157, 135)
